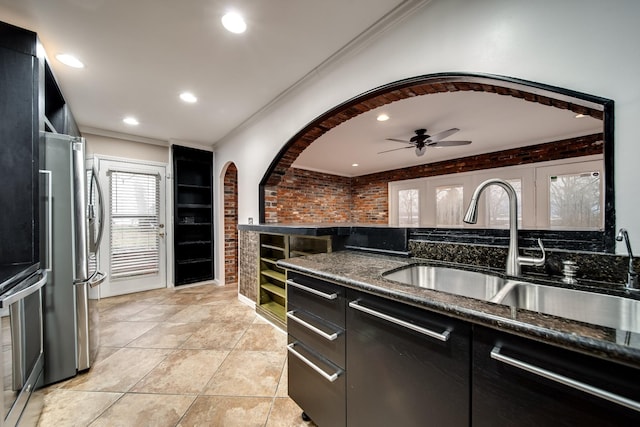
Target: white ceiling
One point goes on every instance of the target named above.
(140, 54)
(492, 122)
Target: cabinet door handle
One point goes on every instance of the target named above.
(329, 377)
(312, 291)
(291, 315)
(442, 336)
(561, 379)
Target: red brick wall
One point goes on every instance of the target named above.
(312, 197)
(231, 225)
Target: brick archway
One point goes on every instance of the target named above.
(423, 85)
(231, 224)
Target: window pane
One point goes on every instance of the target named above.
(134, 241)
(449, 209)
(498, 204)
(408, 208)
(574, 200)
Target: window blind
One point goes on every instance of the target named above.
(134, 242)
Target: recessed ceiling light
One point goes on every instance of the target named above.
(382, 117)
(579, 116)
(188, 97)
(69, 60)
(131, 121)
(355, 165)
(234, 22)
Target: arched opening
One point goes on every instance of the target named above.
(276, 188)
(230, 184)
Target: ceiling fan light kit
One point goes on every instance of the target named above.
(421, 140)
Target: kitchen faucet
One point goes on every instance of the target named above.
(632, 276)
(514, 260)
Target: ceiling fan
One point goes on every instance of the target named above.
(422, 140)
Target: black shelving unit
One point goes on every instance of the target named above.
(193, 215)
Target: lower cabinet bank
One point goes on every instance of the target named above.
(360, 360)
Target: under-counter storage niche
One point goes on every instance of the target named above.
(272, 288)
(193, 215)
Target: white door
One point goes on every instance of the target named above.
(133, 251)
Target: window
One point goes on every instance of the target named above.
(498, 204)
(449, 207)
(564, 194)
(574, 200)
(134, 241)
(409, 208)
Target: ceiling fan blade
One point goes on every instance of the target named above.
(442, 135)
(399, 140)
(448, 143)
(395, 149)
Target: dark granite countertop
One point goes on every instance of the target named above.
(364, 272)
(306, 229)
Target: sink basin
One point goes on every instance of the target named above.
(605, 310)
(451, 280)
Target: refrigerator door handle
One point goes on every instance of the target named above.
(47, 173)
(94, 179)
(80, 222)
(96, 279)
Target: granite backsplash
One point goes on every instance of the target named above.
(595, 269)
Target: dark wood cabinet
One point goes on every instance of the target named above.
(365, 360)
(406, 366)
(19, 151)
(317, 348)
(57, 114)
(520, 382)
(193, 215)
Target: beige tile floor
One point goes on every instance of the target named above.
(185, 357)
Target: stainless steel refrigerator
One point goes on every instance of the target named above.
(70, 314)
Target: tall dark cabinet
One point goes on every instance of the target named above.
(193, 215)
(19, 152)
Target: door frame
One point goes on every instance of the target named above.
(168, 206)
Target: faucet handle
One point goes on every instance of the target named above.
(536, 262)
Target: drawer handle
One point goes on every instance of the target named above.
(331, 378)
(291, 315)
(311, 290)
(561, 379)
(442, 336)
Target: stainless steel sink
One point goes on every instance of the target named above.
(451, 280)
(605, 310)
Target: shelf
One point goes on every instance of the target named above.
(274, 289)
(270, 260)
(277, 248)
(300, 253)
(274, 275)
(193, 261)
(195, 242)
(195, 186)
(275, 308)
(193, 206)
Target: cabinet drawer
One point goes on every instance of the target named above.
(316, 386)
(324, 338)
(317, 297)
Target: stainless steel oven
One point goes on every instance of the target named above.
(22, 345)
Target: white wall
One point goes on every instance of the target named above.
(125, 149)
(585, 45)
